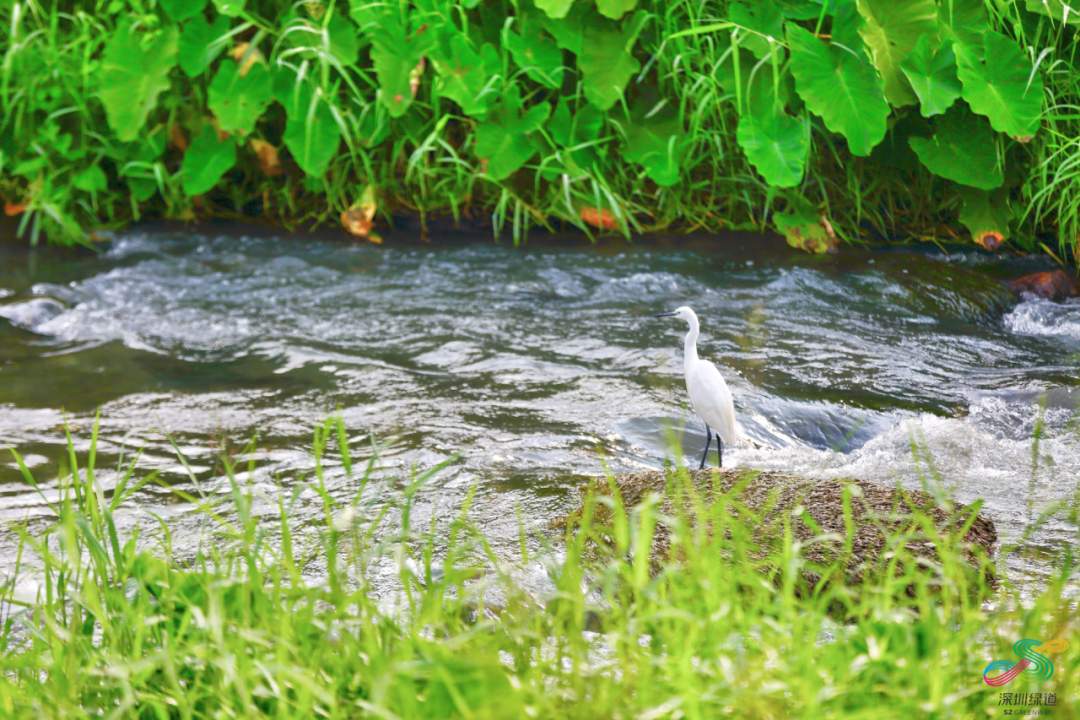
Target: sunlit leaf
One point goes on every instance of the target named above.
(231, 8)
(91, 179)
(986, 215)
(931, 70)
(840, 87)
(804, 226)
(206, 161)
(962, 149)
(555, 8)
(602, 47)
(775, 143)
(238, 102)
(181, 10)
(501, 140)
(134, 71)
(615, 9)
(891, 31)
(199, 44)
(964, 20)
(1062, 12)
(999, 82)
(764, 18)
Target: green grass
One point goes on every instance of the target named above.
(275, 618)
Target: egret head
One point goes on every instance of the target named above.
(683, 313)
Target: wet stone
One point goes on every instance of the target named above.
(878, 512)
(1055, 285)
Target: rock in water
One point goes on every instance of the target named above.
(1056, 285)
(878, 512)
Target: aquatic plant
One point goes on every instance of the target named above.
(813, 117)
(275, 618)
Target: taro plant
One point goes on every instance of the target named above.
(817, 117)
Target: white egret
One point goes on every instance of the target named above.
(709, 394)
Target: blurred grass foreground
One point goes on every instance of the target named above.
(272, 618)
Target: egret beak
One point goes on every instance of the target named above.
(670, 314)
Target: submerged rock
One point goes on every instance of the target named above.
(1055, 285)
(879, 512)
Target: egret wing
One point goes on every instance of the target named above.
(711, 399)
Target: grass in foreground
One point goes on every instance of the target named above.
(243, 629)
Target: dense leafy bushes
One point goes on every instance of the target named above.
(807, 114)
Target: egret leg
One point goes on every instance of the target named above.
(708, 441)
(720, 446)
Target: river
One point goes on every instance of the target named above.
(537, 364)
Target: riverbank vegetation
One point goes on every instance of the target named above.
(827, 120)
(277, 617)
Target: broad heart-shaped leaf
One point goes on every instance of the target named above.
(238, 101)
(840, 87)
(396, 52)
(1060, 11)
(603, 53)
(231, 8)
(339, 37)
(615, 9)
(206, 161)
(198, 43)
(1000, 83)
(763, 18)
(986, 215)
(464, 73)
(570, 129)
(555, 9)
(660, 147)
(181, 10)
(932, 73)
(804, 226)
(501, 140)
(311, 132)
(775, 143)
(132, 75)
(964, 20)
(538, 56)
(892, 29)
(962, 149)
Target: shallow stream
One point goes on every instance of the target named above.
(537, 365)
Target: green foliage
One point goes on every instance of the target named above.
(962, 149)
(206, 161)
(841, 88)
(134, 71)
(441, 103)
(1000, 83)
(986, 215)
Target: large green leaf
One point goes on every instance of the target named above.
(570, 129)
(986, 215)
(199, 43)
(763, 18)
(891, 31)
(396, 53)
(134, 71)
(931, 70)
(658, 145)
(339, 37)
(206, 161)
(181, 10)
(775, 143)
(962, 149)
(464, 73)
(615, 9)
(1062, 12)
(555, 9)
(1000, 83)
(603, 52)
(231, 8)
(964, 20)
(538, 55)
(236, 100)
(311, 132)
(502, 142)
(840, 87)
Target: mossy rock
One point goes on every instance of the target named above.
(764, 500)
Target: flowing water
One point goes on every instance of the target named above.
(538, 365)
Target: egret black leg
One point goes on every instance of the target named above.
(708, 441)
(720, 446)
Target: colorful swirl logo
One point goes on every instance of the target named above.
(1032, 665)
